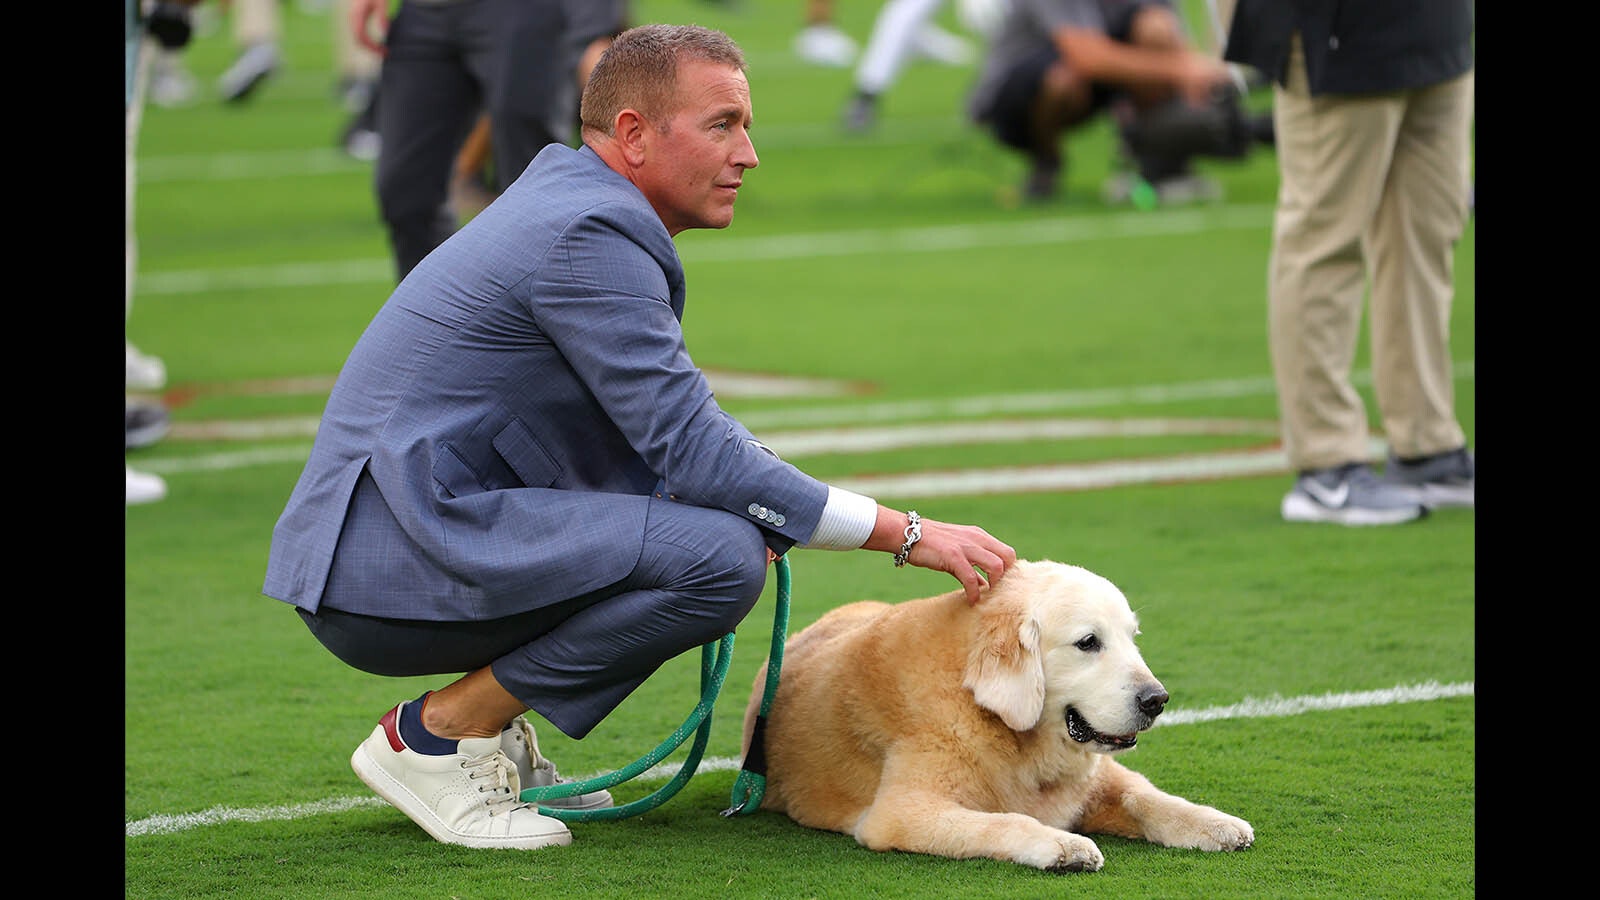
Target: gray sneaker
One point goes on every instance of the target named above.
(146, 422)
(1350, 494)
(256, 64)
(1443, 479)
(520, 746)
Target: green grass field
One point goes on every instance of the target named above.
(1322, 678)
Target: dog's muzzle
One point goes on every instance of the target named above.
(1151, 701)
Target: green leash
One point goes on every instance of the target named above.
(714, 659)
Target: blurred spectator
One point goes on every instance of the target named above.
(1055, 64)
(444, 64)
(821, 42)
(355, 64)
(357, 68)
(902, 30)
(158, 26)
(257, 31)
(1373, 109)
(472, 184)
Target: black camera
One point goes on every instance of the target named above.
(169, 23)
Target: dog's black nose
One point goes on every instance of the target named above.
(1152, 700)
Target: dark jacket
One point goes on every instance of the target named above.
(1356, 46)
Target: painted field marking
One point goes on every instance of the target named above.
(734, 248)
(1249, 708)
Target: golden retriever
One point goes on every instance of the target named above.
(936, 726)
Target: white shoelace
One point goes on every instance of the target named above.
(496, 773)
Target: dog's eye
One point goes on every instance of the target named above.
(1088, 643)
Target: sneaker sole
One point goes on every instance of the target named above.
(580, 802)
(1436, 496)
(385, 785)
(1299, 508)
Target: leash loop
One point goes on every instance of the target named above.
(714, 660)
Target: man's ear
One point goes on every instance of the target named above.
(631, 132)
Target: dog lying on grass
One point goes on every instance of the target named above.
(935, 726)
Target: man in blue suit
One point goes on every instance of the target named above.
(521, 475)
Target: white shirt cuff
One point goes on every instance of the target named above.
(847, 521)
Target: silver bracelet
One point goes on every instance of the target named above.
(913, 534)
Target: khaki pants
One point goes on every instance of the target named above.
(1372, 189)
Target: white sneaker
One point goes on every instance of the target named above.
(1350, 494)
(469, 798)
(145, 373)
(520, 745)
(825, 45)
(144, 487)
(170, 82)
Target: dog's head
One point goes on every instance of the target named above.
(1055, 648)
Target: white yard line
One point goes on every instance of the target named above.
(734, 248)
(1249, 708)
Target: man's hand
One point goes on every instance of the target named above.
(967, 552)
(369, 22)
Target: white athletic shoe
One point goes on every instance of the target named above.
(825, 45)
(1350, 494)
(170, 82)
(520, 745)
(144, 487)
(469, 798)
(145, 373)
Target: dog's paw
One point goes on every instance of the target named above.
(1063, 852)
(1224, 832)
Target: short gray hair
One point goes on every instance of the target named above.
(640, 70)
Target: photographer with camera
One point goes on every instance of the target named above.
(1055, 64)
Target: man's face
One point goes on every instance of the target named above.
(695, 161)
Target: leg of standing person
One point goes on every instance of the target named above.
(893, 42)
(257, 32)
(144, 421)
(357, 86)
(446, 64)
(469, 187)
(1411, 249)
(355, 65)
(427, 102)
(1333, 156)
(531, 99)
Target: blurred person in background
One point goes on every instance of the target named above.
(151, 28)
(445, 63)
(1373, 113)
(522, 475)
(821, 42)
(472, 186)
(903, 29)
(1054, 65)
(257, 27)
(356, 66)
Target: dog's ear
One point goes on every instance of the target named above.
(1005, 670)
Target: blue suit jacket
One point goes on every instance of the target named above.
(518, 403)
